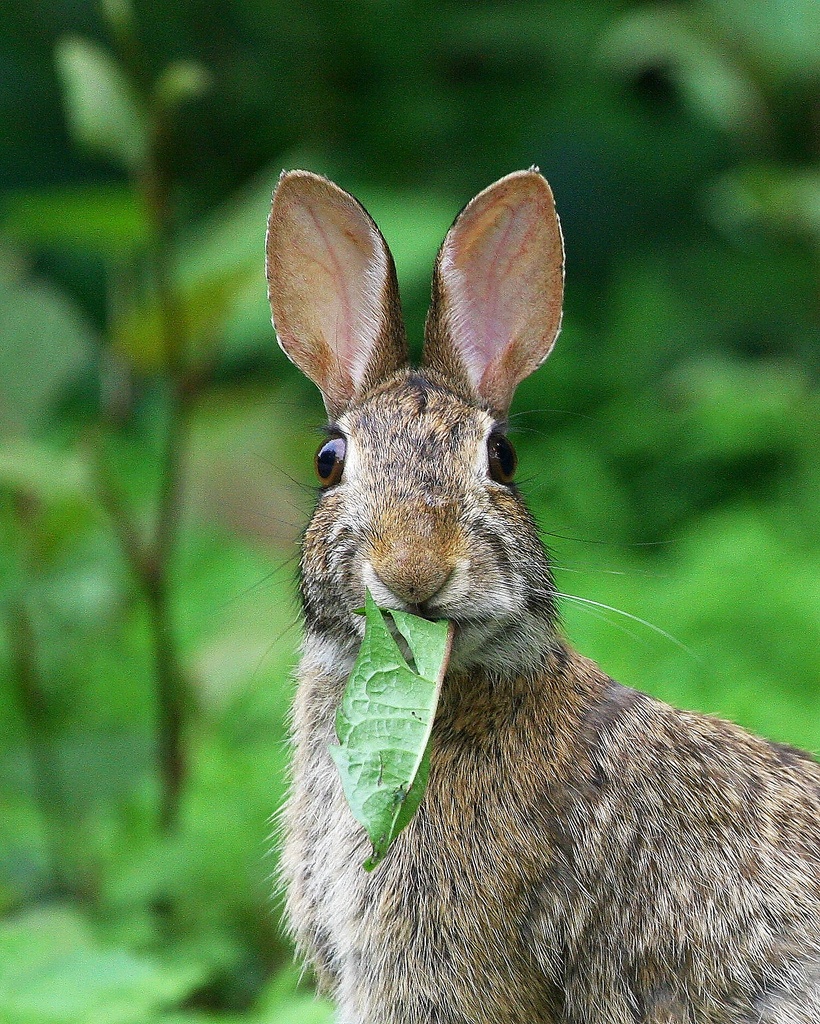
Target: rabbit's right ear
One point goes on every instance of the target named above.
(332, 289)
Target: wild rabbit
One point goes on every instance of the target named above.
(583, 854)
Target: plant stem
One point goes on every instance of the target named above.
(150, 563)
(172, 690)
(151, 560)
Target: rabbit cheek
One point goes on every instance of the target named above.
(329, 570)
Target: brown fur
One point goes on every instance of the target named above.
(584, 854)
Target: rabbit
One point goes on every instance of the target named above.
(583, 853)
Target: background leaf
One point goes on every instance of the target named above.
(54, 971)
(42, 329)
(106, 219)
(102, 109)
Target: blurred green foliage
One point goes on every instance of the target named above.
(154, 444)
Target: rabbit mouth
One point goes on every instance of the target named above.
(452, 595)
(425, 613)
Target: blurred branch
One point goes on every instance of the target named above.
(172, 689)
(146, 109)
(151, 562)
(171, 684)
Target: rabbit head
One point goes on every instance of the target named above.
(418, 502)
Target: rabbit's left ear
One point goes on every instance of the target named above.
(498, 289)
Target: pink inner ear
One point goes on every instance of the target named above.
(501, 267)
(328, 271)
(342, 273)
(489, 285)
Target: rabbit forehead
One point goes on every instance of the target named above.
(415, 422)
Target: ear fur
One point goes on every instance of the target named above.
(498, 288)
(332, 288)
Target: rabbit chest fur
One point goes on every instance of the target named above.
(576, 870)
(583, 854)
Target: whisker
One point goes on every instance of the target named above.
(294, 526)
(610, 543)
(286, 403)
(634, 618)
(529, 430)
(299, 484)
(589, 540)
(274, 575)
(556, 412)
(294, 622)
(643, 573)
(596, 614)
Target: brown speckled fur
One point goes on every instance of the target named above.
(584, 854)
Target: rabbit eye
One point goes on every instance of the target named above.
(330, 461)
(502, 458)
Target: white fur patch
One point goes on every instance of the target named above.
(325, 657)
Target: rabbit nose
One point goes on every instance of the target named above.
(412, 570)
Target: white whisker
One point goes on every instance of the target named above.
(597, 614)
(635, 618)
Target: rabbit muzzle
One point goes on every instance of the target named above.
(413, 576)
(409, 564)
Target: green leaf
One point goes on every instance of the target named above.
(119, 14)
(53, 970)
(46, 474)
(711, 82)
(41, 329)
(782, 38)
(138, 334)
(106, 219)
(776, 198)
(385, 721)
(102, 109)
(181, 81)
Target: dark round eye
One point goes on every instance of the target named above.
(502, 458)
(330, 461)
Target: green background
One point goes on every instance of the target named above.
(156, 447)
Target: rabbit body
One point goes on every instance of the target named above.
(583, 854)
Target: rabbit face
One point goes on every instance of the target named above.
(422, 512)
(417, 519)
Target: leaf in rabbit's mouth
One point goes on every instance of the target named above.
(385, 721)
